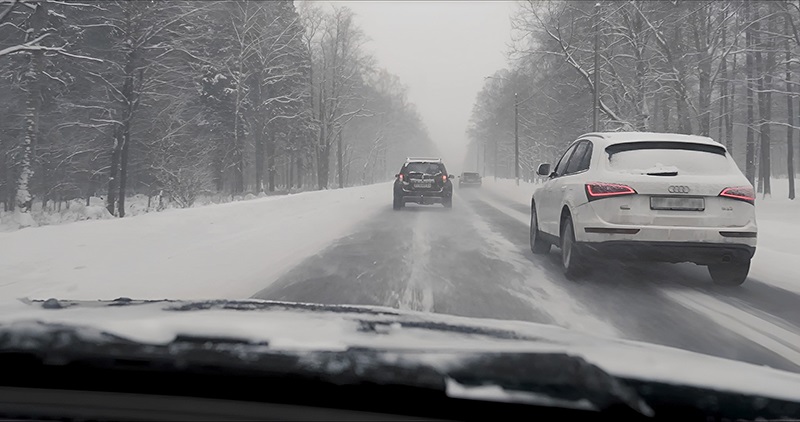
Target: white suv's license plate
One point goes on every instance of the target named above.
(422, 185)
(677, 203)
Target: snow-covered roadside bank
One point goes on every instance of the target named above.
(778, 231)
(63, 212)
(218, 251)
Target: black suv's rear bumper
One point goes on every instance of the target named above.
(698, 253)
(425, 196)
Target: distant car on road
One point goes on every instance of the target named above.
(469, 179)
(650, 196)
(423, 181)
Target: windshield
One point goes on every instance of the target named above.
(628, 172)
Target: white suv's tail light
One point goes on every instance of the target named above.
(599, 190)
(742, 193)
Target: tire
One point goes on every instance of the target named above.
(448, 202)
(729, 274)
(397, 203)
(539, 246)
(573, 260)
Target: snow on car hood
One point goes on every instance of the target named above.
(311, 327)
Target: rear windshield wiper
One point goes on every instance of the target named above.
(663, 173)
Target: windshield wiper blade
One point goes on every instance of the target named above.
(558, 376)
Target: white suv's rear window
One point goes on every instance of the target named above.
(667, 158)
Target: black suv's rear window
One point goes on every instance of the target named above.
(425, 168)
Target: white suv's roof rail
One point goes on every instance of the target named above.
(423, 160)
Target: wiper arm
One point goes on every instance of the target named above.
(559, 377)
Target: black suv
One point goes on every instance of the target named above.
(469, 179)
(423, 181)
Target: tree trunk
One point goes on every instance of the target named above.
(656, 110)
(750, 164)
(700, 30)
(765, 67)
(681, 96)
(113, 171)
(323, 166)
(339, 158)
(259, 158)
(24, 199)
(298, 165)
(271, 162)
(238, 141)
(123, 165)
(723, 94)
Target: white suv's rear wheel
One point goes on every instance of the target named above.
(733, 274)
(572, 259)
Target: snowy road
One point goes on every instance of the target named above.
(475, 261)
(349, 247)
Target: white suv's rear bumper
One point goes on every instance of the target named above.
(701, 245)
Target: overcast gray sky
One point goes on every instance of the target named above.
(441, 50)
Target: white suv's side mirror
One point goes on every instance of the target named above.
(543, 170)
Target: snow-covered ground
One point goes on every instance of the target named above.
(777, 259)
(77, 210)
(217, 251)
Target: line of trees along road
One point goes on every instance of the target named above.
(188, 98)
(724, 69)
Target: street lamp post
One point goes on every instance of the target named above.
(516, 134)
(484, 159)
(516, 138)
(495, 159)
(477, 155)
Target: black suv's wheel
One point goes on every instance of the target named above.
(539, 246)
(397, 203)
(733, 274)
(573, 260)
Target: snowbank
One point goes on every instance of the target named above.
(77, 210)
(778, 221)
(218, 251)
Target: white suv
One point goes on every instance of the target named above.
(646, 196)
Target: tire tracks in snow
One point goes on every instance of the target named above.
(535, 287)
(418, 293)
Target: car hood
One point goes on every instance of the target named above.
(300, 327)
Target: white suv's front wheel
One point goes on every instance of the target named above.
(573, 260)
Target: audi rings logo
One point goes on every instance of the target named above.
(678, 189)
